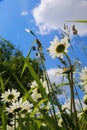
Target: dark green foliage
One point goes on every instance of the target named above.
(12, 59)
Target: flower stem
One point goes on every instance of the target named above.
(70, 77)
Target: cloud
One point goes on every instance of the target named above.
(24, 13)
(57, 78)
(53, 76)
(53, 14)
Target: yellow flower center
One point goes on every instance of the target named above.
(24, 111)
(10, 96)
(60, 48)
(85, 101)
(17, 109)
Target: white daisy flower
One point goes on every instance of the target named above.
(16, 107)
(44, 83)
(58, 48)
(10, 95)
(35, 95)
(26, 108)
(10, 127)
(34, 84)
(83, 78)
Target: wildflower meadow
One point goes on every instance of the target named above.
(35, 105)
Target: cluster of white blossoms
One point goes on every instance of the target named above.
(16, 105)
(36, 96)
(20, 108)
(58, 48)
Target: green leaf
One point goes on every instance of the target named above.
(69, 121)
(62, 84)
(3, 84)
(28, 96)
(37, 106)
(4, 123)
(36, 78)
(6, 41)
(21, 87)
(80, 21)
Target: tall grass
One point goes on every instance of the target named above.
(47, 112)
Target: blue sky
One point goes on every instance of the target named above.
(15, 16)
(45, 18)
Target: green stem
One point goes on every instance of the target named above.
(70, 75)
(78, 98)
(50, 96)
(4, 123)
(70, 95)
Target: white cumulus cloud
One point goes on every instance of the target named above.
(53, 14)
